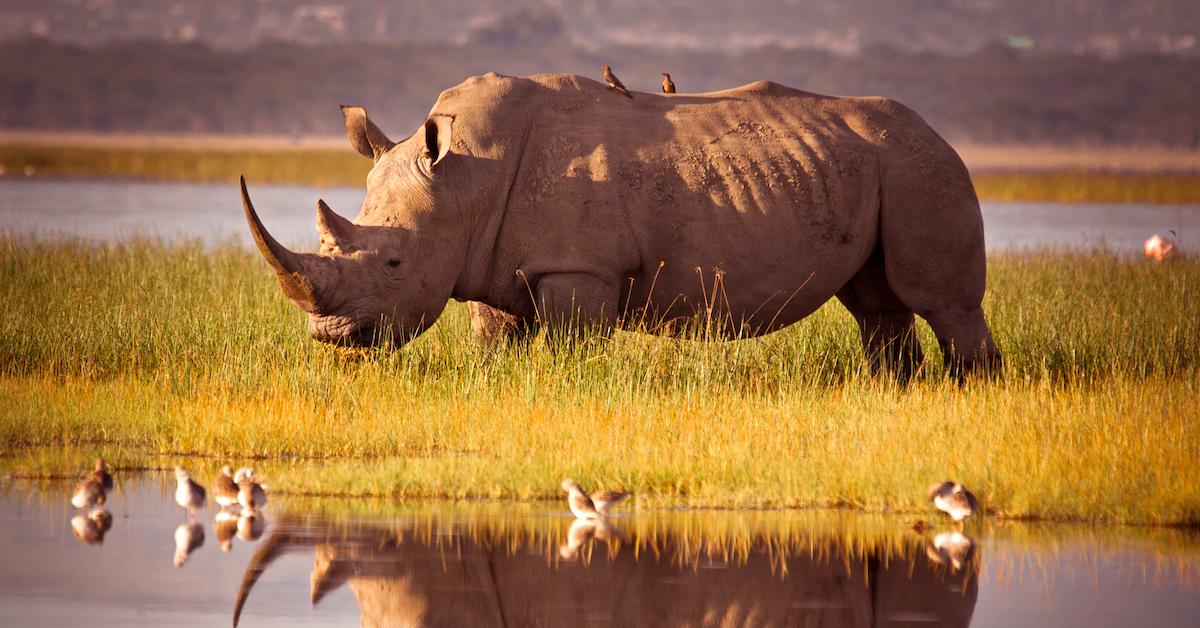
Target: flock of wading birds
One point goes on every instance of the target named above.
(232, 489)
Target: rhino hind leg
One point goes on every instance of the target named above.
(931, 232)
(966, 342)
(887, 325)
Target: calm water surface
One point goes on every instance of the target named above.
(110, 209)
(346, 562)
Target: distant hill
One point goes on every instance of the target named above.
(1104, 27)
(996, 94)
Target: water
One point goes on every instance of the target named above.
(111, 209)
(342, 562)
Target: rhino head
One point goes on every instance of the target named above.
(388, 276)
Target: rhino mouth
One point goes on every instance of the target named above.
(347, 332)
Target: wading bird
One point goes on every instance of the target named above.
(225, 489)
(593, 507)
(1160, 247)
(953, 499)
(101, 474)
(668, 86)
(88, 493)
(614, 82)
(188, 494)
(250, 493)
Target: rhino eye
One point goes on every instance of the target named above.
(393, 263)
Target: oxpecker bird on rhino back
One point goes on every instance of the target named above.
(546, 202)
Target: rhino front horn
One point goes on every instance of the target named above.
(298, 273)
(278, 256)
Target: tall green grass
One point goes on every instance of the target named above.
(146, 351)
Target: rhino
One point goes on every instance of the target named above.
(546, 202)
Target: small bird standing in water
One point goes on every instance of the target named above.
(225, 490)
(594, 507)
(188, 494)
(668, 86)
(250, 493)
(88, 493)
(953, 499)
(614, 82)
(101, 474)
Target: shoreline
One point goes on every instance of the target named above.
(1000, 173)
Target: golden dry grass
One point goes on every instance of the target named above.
(147, 351)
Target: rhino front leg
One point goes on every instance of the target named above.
(491, 326)
(576, 304)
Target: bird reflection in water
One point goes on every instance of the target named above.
(582, 532)
(91, 528)
(950, 549)
(455, 573)
(188, 538)
(250, 526)
(247, 527)
(225, 526)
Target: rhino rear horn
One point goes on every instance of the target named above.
(334, 230)
(366, 138)
(299, 274)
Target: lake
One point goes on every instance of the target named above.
(108, 209)
(322, 562)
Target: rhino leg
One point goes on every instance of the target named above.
(931, 231)
(491, 326)
(886, 324)
(576, 304)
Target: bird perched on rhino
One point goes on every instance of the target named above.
(668, 85)
(953, 499)
(590, 507)
(614, 82)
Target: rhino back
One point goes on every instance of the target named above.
(773, 188)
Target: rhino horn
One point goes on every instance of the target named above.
(299, 273)
(334, 230)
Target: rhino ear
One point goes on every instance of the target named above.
(366, 138)
(438, 134)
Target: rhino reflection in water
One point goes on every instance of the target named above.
(478, 578)
(544, 200)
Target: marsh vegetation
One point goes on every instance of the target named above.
(1005, 175)
(146, 349)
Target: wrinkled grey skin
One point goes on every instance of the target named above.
(547, 201)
